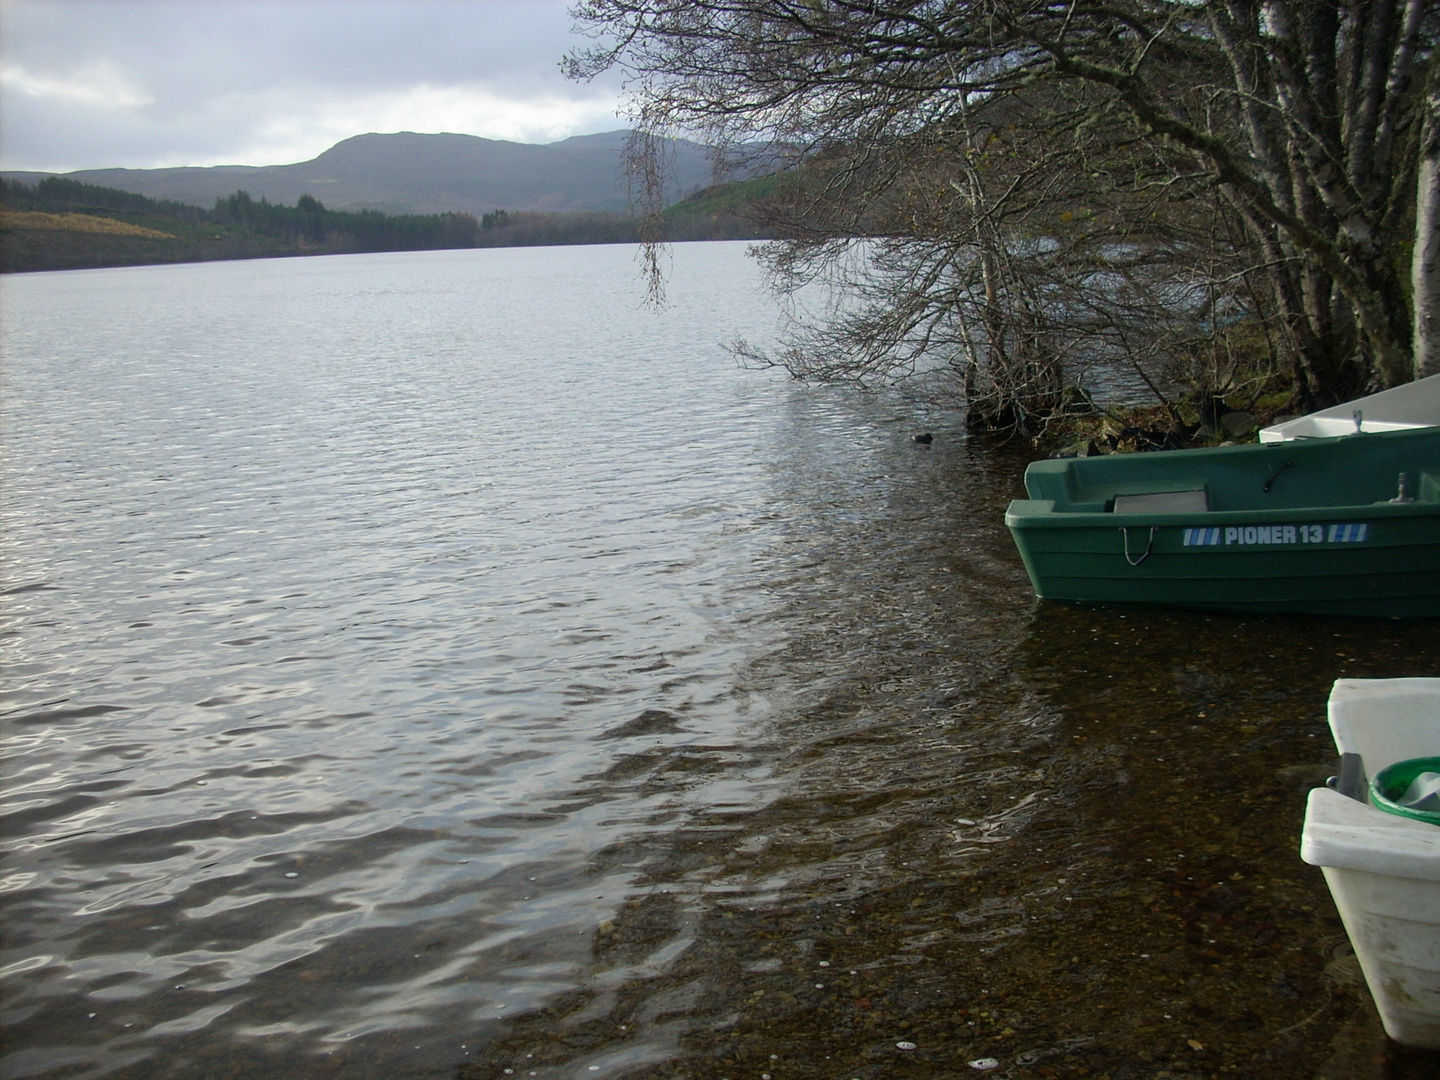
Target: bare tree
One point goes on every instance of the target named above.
(1041, 178)
(1006, 255)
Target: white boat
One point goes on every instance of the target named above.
(1383, 870)
(1414, 404)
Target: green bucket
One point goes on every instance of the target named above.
(1391, 783)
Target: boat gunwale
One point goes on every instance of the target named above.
(1053, 518)
(1083, 488)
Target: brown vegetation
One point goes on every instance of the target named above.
(16, 220)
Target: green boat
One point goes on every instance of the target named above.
(1333, 526)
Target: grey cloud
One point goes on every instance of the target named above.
(222, 73)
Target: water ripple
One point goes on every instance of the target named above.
(329, 586)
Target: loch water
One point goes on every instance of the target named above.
(435, 662)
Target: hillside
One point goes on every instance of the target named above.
(62, 224)
(409, 173)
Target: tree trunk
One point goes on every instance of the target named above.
(1425, 263)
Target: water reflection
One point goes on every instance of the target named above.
(374, 708)
(314, 626)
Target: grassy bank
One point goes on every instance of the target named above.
(60, 224)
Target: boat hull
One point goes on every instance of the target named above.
(1352, 561)
(1383, 870)
(1393, 923)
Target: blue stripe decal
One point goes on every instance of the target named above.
(1348, 534)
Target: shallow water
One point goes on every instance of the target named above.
(1064, 839)
(431, 661)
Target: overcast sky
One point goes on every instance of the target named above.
(138, 83)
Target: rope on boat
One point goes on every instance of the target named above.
(1149, 546)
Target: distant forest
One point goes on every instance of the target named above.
(62, 224)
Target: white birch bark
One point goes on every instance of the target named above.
(1425, 264)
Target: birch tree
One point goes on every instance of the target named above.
(1043, 177)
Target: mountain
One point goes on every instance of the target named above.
(409, 173)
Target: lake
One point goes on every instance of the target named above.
(440, 661)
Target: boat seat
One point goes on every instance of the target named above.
(1429, 486)
(1194, 501)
